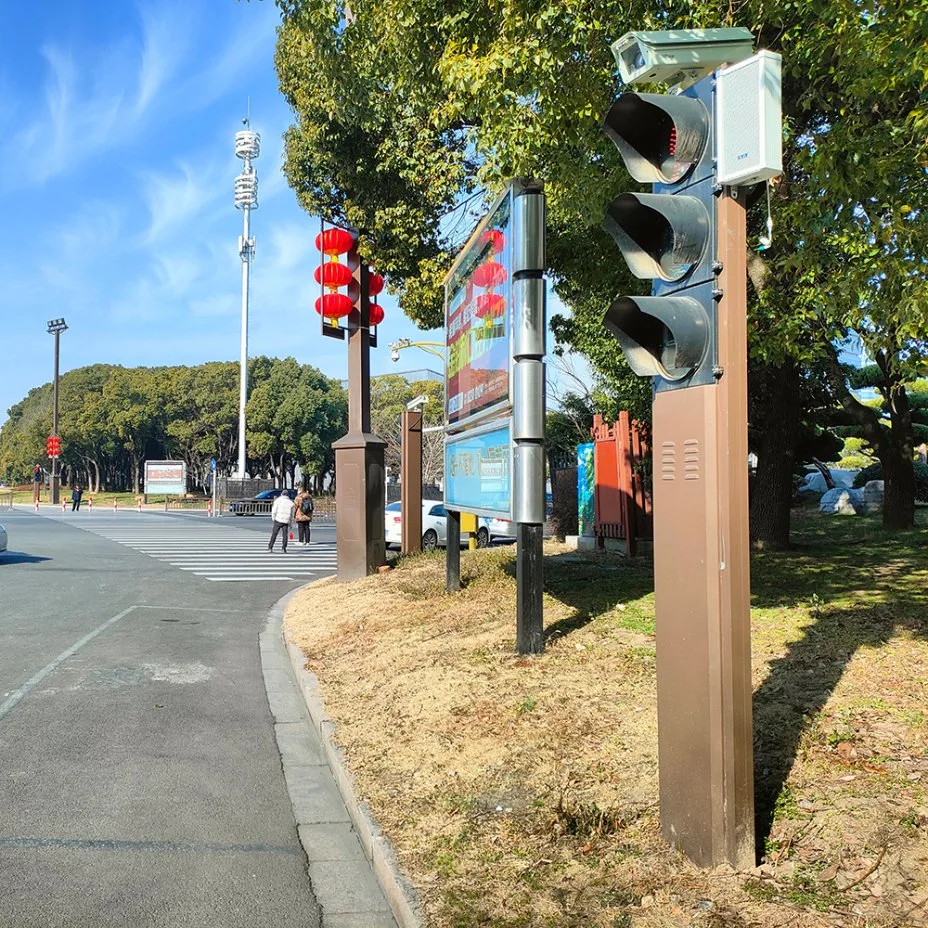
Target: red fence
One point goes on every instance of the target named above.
(621, 496)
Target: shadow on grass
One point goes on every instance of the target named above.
(802, 681)
(863, 587)
(592, 584)
(834, 556)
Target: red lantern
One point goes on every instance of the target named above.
(494, 238)
(490, 274)
(334, 241)
(490, 305)
(376, 314)
(374, 284)
(333, 305)
(333, 275)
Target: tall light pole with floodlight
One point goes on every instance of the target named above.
(55, 327)
(247, 147)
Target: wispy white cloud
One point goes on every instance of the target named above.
(251, 41)
(176, 274)
(74, 124)
(177, 198)
(165, 40)
(290, 249)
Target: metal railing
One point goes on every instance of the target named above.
(181, 502)
(6, 499)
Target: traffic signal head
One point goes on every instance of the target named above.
(661, 138)
(53, 446)
(664, 337)
(661, 236)
(667, 236)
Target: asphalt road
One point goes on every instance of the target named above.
(140, 782)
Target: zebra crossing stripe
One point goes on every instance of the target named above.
(219, 553)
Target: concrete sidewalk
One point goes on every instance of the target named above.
(351, 866)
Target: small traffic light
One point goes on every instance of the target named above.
(667, 236)
(53, 446)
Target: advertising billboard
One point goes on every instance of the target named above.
(167, 477)
(478, 471)
(478, 306)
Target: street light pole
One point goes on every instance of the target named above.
(55, 327)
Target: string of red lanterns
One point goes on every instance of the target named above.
(333, 274)
(489, 305)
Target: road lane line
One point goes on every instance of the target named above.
(18, 695)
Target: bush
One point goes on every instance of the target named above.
(875, 472)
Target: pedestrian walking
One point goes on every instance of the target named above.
(76, 493)
(281, 514)
(303, 508)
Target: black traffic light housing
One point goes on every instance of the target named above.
(668, 235)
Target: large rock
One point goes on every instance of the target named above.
(873, 497)
(842, 502)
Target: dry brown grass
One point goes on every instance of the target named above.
(523, 791)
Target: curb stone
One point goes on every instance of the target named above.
(399, 893)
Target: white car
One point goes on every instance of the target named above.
(434, 526)
(2, 539)
(500, 529)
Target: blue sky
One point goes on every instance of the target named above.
(117, 124)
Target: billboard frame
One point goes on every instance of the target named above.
(501, 408)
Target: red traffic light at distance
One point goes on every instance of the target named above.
(53, 446)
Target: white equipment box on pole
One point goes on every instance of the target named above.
(749, 121)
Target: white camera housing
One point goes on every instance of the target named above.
(420, 400)
(679, 57)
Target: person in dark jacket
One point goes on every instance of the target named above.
(76, 493)
(303, 508)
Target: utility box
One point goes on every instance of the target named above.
(749, 121)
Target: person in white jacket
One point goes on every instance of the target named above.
(281, 514)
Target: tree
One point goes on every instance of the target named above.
(439, 101)
(114, 418)
(389, 396)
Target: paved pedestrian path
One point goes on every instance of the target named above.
(211, 549)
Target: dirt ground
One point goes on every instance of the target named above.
(523, 791)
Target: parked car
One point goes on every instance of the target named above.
(500, 529)
(434, 526)
(2, 539)
(261, 503)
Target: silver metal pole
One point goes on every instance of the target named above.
(528, 410)
(243, 371)
(247, 147)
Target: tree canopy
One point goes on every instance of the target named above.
(404, 109)
(112, 419)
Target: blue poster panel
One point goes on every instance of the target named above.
(586, 512)
(478, 472)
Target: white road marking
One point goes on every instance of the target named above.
(17, 695)
(213, 551)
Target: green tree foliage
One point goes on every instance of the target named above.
(112, 419)
(389, 396)
(404, 108)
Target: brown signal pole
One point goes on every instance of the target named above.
(702, 587)
(359, 455)
(411, 481)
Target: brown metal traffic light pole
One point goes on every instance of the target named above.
(411, 481)
(702, 587)
(359, 455)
